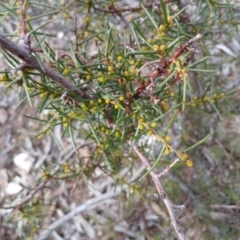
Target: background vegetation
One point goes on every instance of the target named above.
(141, 90)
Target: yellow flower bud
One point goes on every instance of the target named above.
(107, 101)
(168, 138)
(119, 58)
(155, 47)
(161, 28)
(167, 151)
(66, 71)
(189, 163)
(154, 124)
(184, 156)
(162, 48)
(121, 98)
(110, 68)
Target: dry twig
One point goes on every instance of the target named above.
(76, 211)
(161, 193)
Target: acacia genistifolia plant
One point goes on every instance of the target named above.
(122, 78)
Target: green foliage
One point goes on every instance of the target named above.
(112, 60)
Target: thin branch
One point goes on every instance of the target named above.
(225, 206)
(158, 61)
(23, 26)
(76, 211)
(32, 62)
(161, 193)
(121, 10)
(167, 169)
(159, 71)
(26, 199)
(112, 8)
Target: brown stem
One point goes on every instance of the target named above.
(32, 62)
(161, 193)
(23, 26)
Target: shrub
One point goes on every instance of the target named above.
(137, 84)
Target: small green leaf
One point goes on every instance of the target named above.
(149, 15)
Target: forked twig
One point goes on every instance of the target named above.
(163, 69)
(166, 170)
(161, 193)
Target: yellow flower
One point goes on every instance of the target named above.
(117, 134)
(101, 79)
(83, 106)
(132, 62)
(154, 124)
(3, 78)
(119, 58)
(19, 11)
(93, 110)
(66, 167)
(141, 120)
(87, 19)
(149, 40)
(155, 47)
(162, 48)
(161, 28)
(205, 98)
(107, 101)
(53, 96)
(150, 132)
(18, 3)
(170, 18)
(43, 95)
(110, 68)
(170, 21)
(184, 156)
(72, 114)
(133, 70)
(65, 16)
(167, 151)
(88, 77)
(189, 163)
(162, 34)
(193, 104)
(168, 138)
(223, 95)
(121, 98)
(46, 175)
(66, 71)
(164, 105)
(65, 124)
